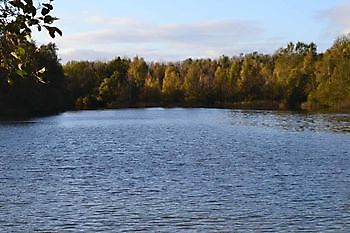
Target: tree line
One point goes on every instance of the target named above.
(34, 82)
(293, 77)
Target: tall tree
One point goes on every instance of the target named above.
(171, 90)
(332, 77)
(192, 84)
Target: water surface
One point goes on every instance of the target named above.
(173, 170)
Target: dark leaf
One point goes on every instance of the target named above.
(33, 11)
(20, 19)
(27, 31)
(17, 3)
(21, 73)
(52, 34)
(48, 6)
(45, 11)
(30, 9)
(33, 22)
(58, 31)
(51, 31)
(29, 2)
(49, 19)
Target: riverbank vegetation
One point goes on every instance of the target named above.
(294, 77)
(34, 82)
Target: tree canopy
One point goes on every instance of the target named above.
(31, 77)
(17, 20)
(294, 77)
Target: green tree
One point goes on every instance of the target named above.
(171, 90)
(151, 93)
(138, 70)
(250, 82)
(225, 82)
(157, 71)
(292, 75)
(83, 83)
(137, 73)
(17, 18)
(332, 77)
(35, 96)
(108, 90)
(192, 84)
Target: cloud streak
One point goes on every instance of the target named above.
(128, 31)
(338, 19)
(162, 41)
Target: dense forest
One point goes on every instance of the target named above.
(294, 77)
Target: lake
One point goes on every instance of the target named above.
(176, 170)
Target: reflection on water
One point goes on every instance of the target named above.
(16, 123)
(171, 170)
(292, 121)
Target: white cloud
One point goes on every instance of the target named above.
(130, 31)
(129, 37)
(85, 54)
(338, 18)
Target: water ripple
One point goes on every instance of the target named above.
(176, 170)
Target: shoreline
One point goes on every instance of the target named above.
(253, 106)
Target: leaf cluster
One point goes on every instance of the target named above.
(17, 20)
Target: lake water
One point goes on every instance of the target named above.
(173, 170)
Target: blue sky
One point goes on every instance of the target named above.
(177, 29)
